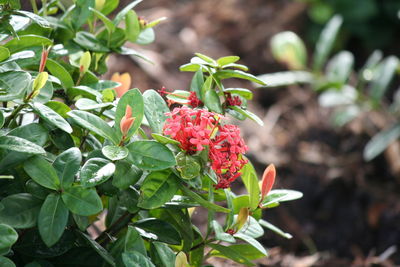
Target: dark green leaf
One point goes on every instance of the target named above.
(99, 249)
(90, 42)
(80, 13)
(67, 164)
(96, 171)
(20, 145)
(52, 117)
(57, 70)
(13, 84)
(133, 241)
(126, 174)
(20, 210)
(326, 41)
(381, 141)
(154, 110)
(115, 152)
(197, 83)
(212, 101)
(53, 218)
(159, 230)
(150, 155)
(162, 255)
(6, 262)
(41, 171)
(8, 236)
(37, 190)
(135, 258)
(188, 166)
(82, 201)
(232, 254)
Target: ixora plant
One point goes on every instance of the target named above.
(73, 147)
(351, 94)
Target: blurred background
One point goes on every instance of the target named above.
(350, 212)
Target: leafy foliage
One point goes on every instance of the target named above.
(74, 147)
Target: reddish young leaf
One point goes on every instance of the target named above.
(268, 180)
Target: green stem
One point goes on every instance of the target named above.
(13, 115)
(34, 7)
(44, 4)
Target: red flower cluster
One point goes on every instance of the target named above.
(194, 101)
(233, 101)
(194, 129)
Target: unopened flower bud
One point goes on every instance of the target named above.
(126, 121)
(43, 59)
(39, 82)
(84, 62)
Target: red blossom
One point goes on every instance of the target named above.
(233, 101)
(195, 129)
(194, 101)
(163, 91)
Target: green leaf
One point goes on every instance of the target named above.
(347, 95)
(163, 139)
(384, 74)
(326, 41)
(135, 258)
(41, 171)
(286, 78)
(154, 110)
(89, 104)
(274, 229)
(26, 41)
(57, 70)
(115, 152)
(231, 254)
(248, 114)
(80, 13)
(158, 188)
(120, 16)
(222, 61)
(126, 175)
(96, 171)
(107, 22)
(212, 101)
(197, 83)
(13, 84)
(4, 53)
(67, 164)
(6, 262)
(133, 241)
(90, 42)
(52, 117)
(20, 145)
(82, 201)
(99, 249)
(159, 230)
(93, 123)
(41, 21)
(339, 67)
(53, 218)
(225, 74)
(245, 250)
(8, 236)
(206, 58)
(188, 166)
(246, 93)
(252, 242)
(20, 210)
(133, 98)
(191, 67)
(146, 36)
(220, 234)
(1, 119)
(19, 55)
(109, 6)
(250, 180)
(280, 195)
(179, 96)
(162, 255)
(381, 141)
(202, 201)
(150, 155)
(83, 91)
(132, 26)
(36, 189)
(288, 48)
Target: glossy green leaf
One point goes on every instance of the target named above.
(250, 180)
(274, 229)
(162, 255)
(135, 258)
(4, 53)
(67, 164)
(26, 41)
(385, 73)
(220, 234)
(222, 61)
(245, 250)
(205, 58)
(53, 218)
(37, 190)
(13, 84)
(381, 141)
(52, 117)
(280, 195)
(231, 254)
(115, 152)
(325, 42)
(20, 145)
(252, 242)
(41, 21)
(41, 171)
(150, 155)
(59, 107)
(133, 241)
(99, 249)
(6, 262)
(126, 174)
(8, 236)
(159, 230)
(20, 210)
(96, 171)
(202, 201)
(90, 42)
(18, 56)
(212, 101)
(82, 201)
(154, 110)
(248, 114)
(225, 74)
(158, 188)
(132, 26)
(133, 98)
(57, 70)
(188, 166)
(89, 104)
(93, 123)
